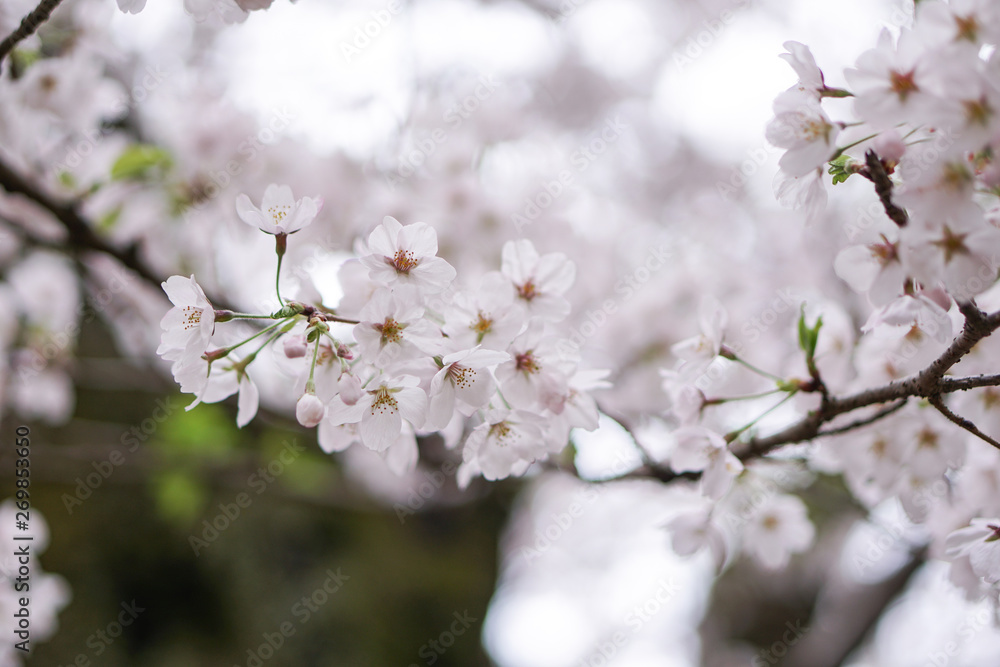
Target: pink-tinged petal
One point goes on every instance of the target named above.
(719, 475)
(382, 240)
(441, 406)
(338, 412)
(475, 387)
(380, 426)
(249, 400)
(412, 403)
(336, 437)
(518, 260)
(402, 456)
(304, 213)
(433, 272)
(249, 213)
(419, 238)
(277, 195)
(857, 267)
(554, 273)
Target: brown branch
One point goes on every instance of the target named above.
(81, 234)
(929, 383)
(938, 403)
(29, 24)
(875, 172)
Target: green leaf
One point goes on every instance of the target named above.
(841, 168)
(108, 221)
(138, 160)
(808, 336)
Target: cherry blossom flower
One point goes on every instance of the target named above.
(279, 212)
(806, 192)
(802, 61)
(505, 444)
(393, 329)
(380, 411)
(188, 326)
(407, 256)
(889, 81)
(699, 449)
(698, 352)
(488, 316)
(979, 542)
(779, 528)
(463, 383)
(693, 531)
(540, 280)
(874, 268)
(534, 375)
(802, 127)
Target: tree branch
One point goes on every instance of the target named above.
(29, 24)
(938, 403)
(875, 172)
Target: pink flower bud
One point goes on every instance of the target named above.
(309, 410)
(889, 146)
(350, 388)
(295, 346)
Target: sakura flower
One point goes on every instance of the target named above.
(963, 257)
(699, 449)
(540, 280)
(505, 444)
(873, 268)
(279, 212)
(488, 316)
(578, 409)
(407, 256)
(778, 529)
(693, 531)
(980, 543)
(801, 59)
(698, 352)
(969, 22)
(889, 81)
(534, 375)
(463, 383)
(802, 127)
(392, 329)
(805, 192)
(380, 411)
(188, 326)
(923, 310)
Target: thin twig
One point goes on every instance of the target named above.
(871, 419)
(29, 24)
(938, 403)
(877, 174)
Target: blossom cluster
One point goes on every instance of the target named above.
(921, 121)
(405, 353)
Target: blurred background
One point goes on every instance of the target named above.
(227, 546)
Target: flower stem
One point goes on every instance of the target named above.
(735, 434)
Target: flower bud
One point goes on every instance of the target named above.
(309, 410)
(350, 388)
(890, 146)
